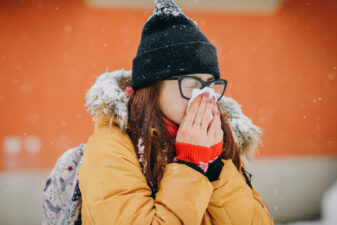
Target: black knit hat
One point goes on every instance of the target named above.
(171, 44)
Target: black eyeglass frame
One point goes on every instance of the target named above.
(203, 83)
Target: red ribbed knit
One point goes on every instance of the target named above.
(171, 127)
(199, 155)
(196, 153)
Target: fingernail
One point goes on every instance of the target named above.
(206, 94)
(218, 112)
(210, 100)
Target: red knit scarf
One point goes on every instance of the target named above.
(171, 127)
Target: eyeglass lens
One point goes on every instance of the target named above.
(188, 84)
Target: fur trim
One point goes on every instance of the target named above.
(246, 134)
(107, 96)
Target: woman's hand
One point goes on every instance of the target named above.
(196, 127)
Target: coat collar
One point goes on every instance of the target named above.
(107, 100)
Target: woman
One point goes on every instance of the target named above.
(151, 162)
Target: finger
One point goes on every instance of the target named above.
(192, 111)
(201, 109)
(207, 115)
(218, 129)
(211, 128)
(214, 110)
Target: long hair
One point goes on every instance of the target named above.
(153, 143)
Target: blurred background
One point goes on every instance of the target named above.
(279, 56)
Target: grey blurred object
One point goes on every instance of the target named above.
(294, 187)
(329, 206)
(260, 6)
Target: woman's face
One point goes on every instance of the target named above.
(170, 101)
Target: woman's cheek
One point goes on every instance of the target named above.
(179, 111)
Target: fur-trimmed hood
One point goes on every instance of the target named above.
(107, 97)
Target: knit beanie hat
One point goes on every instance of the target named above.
(171, 44)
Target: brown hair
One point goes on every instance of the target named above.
(153, 143)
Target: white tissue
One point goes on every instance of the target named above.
(196, 92)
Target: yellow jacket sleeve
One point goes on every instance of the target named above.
(115, 191)
(233, 202)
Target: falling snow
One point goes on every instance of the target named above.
(12, 145)
(68, 28)
(140, 147)
(141, 153)
(331, 76)
(32, 144)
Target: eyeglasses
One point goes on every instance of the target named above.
(188, 83)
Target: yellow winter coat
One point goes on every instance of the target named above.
(114, 189)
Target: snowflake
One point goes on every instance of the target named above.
(141, 154)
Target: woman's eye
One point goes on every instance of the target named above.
(191, 83)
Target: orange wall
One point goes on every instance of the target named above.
(281, 67)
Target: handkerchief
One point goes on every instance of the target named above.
(196, 92)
